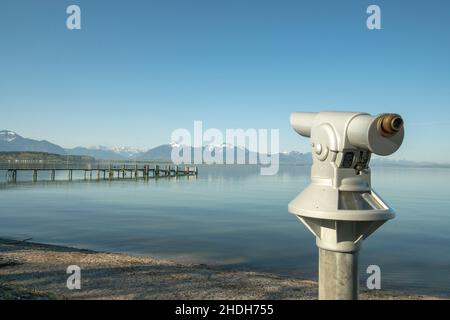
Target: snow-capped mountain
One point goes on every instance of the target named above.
(98, 153)
(128, 152)
(11, 141)
(107, 153)
(8, 136)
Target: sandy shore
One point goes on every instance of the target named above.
(37, 271)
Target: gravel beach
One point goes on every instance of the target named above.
(37, 271)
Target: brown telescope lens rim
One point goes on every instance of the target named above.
(389, 124)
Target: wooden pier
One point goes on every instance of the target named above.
(111, 172)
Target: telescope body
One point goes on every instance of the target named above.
(339, 206)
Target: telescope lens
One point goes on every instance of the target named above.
(389, 124)
(397, 124)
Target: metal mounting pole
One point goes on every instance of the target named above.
(338, 275)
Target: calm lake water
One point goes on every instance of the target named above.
(233, 217)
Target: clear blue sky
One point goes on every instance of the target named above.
(140, 69)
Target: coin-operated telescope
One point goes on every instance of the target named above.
(339, 206)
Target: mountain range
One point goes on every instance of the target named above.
(11, 141)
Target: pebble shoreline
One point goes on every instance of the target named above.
(38, 271)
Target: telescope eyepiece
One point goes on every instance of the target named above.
(389, 124)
